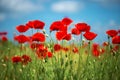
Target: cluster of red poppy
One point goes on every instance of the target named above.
(3, 36)
(42, 52)
(62, 26)
(35, 40)
(83, 27)
(35, 24)
(115, 35)
(62, 33)
(96, 50)
(58, 47)
(21, 38)
(24, 59)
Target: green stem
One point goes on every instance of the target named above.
(21, 46)
(81, 39)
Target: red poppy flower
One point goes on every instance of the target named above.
(36, 24)
(96, 53)
(30, 24)
(118, 31)
(64, 28)
(60, 35)
(67, 37)
(90, 35)
(36, 45)
(49, 54)
(4, 38)
(42, 52)
(95, 46)
(57, 47)
(111, 33)
(15, 38)
(75, 31)
(16, 59)
(3, 33)
(22, 28)
(57, 25)
(38, 37)
(25, 59)
(66, 21)
(21, 38)
(82, 27)
(116, 48)
(88, 28)
(75, 50)
(65, 49)
(116, 40)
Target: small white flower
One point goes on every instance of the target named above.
(4, 65)
(20, 70)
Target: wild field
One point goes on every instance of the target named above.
(62, 58)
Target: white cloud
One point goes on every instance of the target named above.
(112, 23)
(22, 6)
(101, 28)
(67, 6)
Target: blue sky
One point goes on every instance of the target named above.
(101, 15)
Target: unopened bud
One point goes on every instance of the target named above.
(46, 35)
(44, 32)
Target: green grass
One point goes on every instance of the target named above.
(62, 66)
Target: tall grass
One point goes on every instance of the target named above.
(64, 65)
